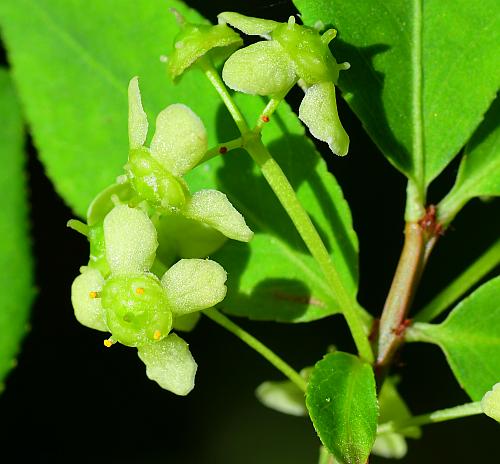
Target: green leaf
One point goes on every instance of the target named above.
(422, 73)
(470, 339)
(342, 402)
(16, 266)
(479, 173)
(73, 70)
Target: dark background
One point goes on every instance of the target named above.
(71, 400)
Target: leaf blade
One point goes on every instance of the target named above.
(470, 339)
(342, 402)
(15, 258)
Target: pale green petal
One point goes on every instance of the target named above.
(491, 403)
(214, 209)
(86, 301)
(137, 119)
(318, 111)
(180, 139)
(130, 240)
(194, 284)
(390, 445)
(263, 68)
(170, 363)
(282, 396)
(247, 24)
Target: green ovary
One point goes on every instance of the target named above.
(136, 308)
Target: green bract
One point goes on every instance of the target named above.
(196, 40)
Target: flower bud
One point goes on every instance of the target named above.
(170, 363)
(214, 209)
(85, 297)
(154, 184)
(194, 284)
(263, 68)
(196, 40)
(130, 240)
(136, 308)
(318, 111)
(180, 139)
(283, 396)
(491, 403)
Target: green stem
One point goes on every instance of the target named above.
(215, 79)
(464, 410)
(401, 293)
(473, 274)
(287, 197)
(221, 149)
(258, 346)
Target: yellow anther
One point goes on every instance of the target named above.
(93, 294)
(108, 343)
(157, 335)
(139, 291)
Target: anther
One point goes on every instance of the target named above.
(94, 294)
(157, 335)
(223, 150)
(139, 291)
(264, 118)
(108, 343)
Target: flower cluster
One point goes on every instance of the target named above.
(135, 286)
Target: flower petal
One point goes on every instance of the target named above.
(170, 363)
(130, 240)
(247, 24)
(263, 68)
(214, 209)
(137, 119)
(194, 284)
(180, 139)
(86, 301)
(318, 111)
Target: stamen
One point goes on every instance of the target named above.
(139, 291)
(108, 343)
(157, 335)
(264, 118)
(94, 294)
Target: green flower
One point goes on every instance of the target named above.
(292, 53)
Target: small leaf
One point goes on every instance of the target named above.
(342, 402)
(170, 363)
(470, 339)
(479, 173)
(194, 284)
(16, 265)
